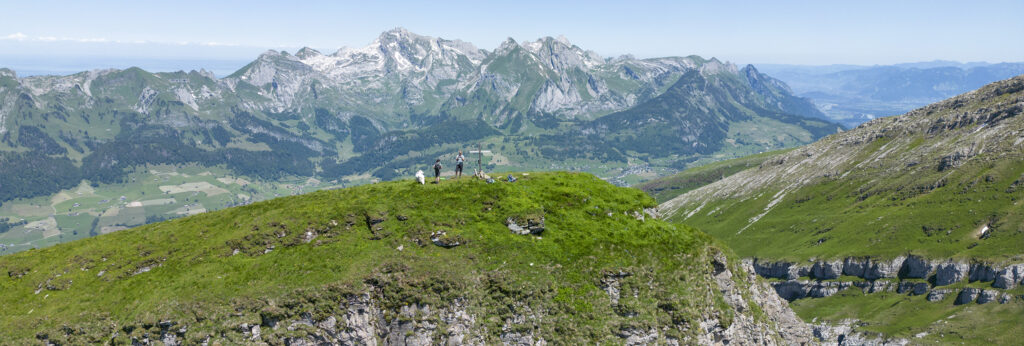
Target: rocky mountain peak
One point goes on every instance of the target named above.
(5, 72)
(270, 55)
(715, 66)
(306, 53)
(401, 35)
(506, 46)
(560, 54)
(203, 72)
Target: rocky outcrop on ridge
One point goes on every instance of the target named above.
(911, 274)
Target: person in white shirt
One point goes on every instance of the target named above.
(459, 160)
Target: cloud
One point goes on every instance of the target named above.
(218, 44)
(21, 37)
(18, 36)
(15, 36)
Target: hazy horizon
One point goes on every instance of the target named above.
(62, 66)
(793, 33)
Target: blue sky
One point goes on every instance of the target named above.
(797, 32)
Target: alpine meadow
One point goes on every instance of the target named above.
(679, 173)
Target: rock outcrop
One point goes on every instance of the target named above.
(844, 333)
(938, 294)
(1009, 277)
(950, 272)
(901, 274)
(744, 329)
(967, 295)
(525, 225)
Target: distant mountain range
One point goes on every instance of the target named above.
(852, 94)
(361, 115)
(386, 109)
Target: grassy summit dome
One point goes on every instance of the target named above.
(393, 262)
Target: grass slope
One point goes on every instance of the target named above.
(927, 183)
(943, 181)
(282, 257)
(666, 188)
(915, 319)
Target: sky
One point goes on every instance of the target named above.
(222, 34)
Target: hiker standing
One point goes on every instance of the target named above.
(437, 171)
(458, 164)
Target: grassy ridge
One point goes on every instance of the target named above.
(928, 182)
(937, 215)
(304, 253)
(666, 188)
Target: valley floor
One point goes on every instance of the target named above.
(152, 193)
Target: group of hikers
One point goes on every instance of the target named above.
(459, 161)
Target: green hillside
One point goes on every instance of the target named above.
(926, 183)
(911, 226)
(285, 268)
(667, 188)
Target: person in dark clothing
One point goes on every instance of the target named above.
(437, 171)
(458, 164)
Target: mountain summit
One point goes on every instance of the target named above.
(559, 257)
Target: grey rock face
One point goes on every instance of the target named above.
(919, 289)
(790, 290)
(938, 294)
(872, 269)
(827, 270)
(915, 267)
(987, 296)
(950, 272)
(982, 272)
(967, 295)
(610, 284)
(1009, 277)
(744, 329)
(793, 290)
(878, 269)
(634, 336)
(843, 333)
(777, 270)
(854, 266)
(825, 289)
(1004, 298)
(880, 286)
